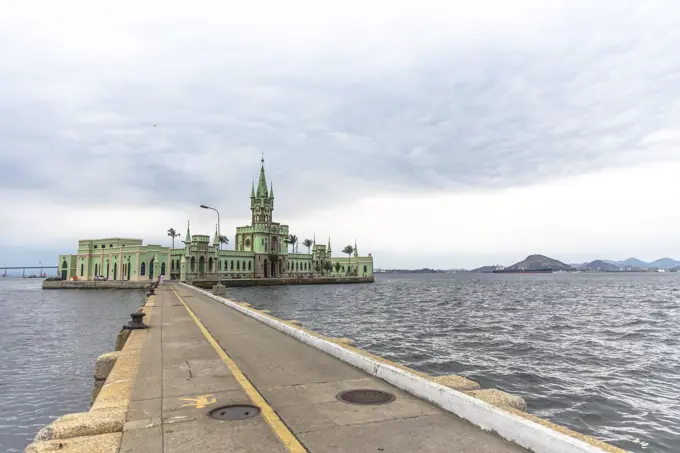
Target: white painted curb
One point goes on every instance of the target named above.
(514, 428)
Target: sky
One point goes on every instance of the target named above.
(436, 134)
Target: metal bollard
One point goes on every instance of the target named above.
(136, 322)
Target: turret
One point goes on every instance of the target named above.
(328, 249)
(356, 250)
(216, 240)
(187, 239)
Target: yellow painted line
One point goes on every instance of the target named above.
(275, 423)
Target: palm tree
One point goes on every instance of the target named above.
(308, 243)
(292, 240)
(222, 240)
(337, 267)
(327, 266)
(173, 234)
(348, 250)
(317, 267)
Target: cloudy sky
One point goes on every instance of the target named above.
(438, 133)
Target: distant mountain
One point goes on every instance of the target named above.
(632, 262)
(599, 265)
(541, 262)
(665, 263)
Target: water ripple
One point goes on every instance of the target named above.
(49, 342)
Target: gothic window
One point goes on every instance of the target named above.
(143, 270)
(238, 265)
(96, 269)
(82, 269)
(162, 268)
(232, 265)
(365, 269)
(244, 265)
(249, 265)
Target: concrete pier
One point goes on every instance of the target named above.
(214, 375)
(183, 376)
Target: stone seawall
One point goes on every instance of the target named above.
(243, 282)
(87, 284)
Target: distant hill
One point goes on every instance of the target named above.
(541, 262)
(632, 262)
(665, 263)
(599, 265)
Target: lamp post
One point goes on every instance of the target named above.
(218, 217)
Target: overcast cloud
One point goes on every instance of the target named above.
(120, 121)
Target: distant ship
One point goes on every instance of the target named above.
(502, 270)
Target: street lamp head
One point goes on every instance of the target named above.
(204, 206)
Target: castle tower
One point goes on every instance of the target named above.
(262, 200)
(187, 239)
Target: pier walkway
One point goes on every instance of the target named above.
(200, 355)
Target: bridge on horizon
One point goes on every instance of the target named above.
(4, 269)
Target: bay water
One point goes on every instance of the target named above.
(599, 353)
(49, 341)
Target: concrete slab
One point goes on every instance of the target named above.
(207, 435)
(144, 409)
(427, 434)
(148, 440)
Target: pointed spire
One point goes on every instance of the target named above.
(216, 240)
(328, 249)
(356, 250)
(252, 190)
(314, 239)
(188, 238)
(271, 190)
(262, 183)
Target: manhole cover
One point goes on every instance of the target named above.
(366, 396)
(236, 412)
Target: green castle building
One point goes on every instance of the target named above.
(260, 251)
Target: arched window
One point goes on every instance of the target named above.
(162, 268)
(193, 264)
(238, 265)
(210, 264)
(107, 269)
(115, 271)
(343, 268)
(142, 271)
(244, 265)
(250, 267)
(96, 269)
(365, 269)
(82, 269)
(232, 265)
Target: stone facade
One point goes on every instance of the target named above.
(260, 251)
(115, 259)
